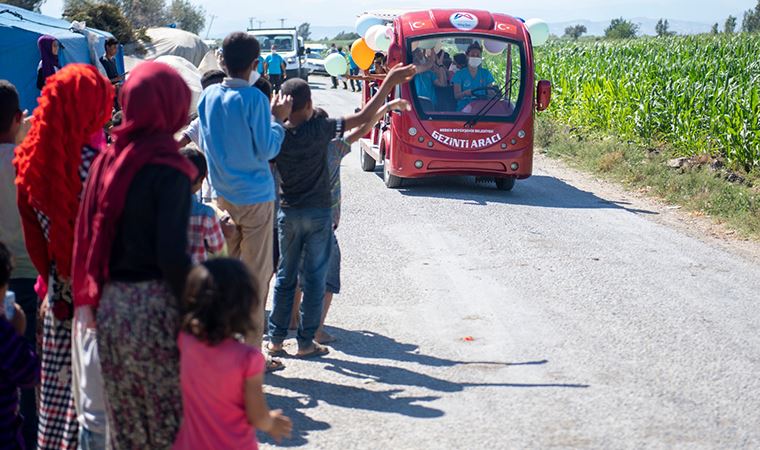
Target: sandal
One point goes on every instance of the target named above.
(281, 353)
(274, 365)
(316, 352)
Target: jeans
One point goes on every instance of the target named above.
(89, 440)
(304, 234)
(276, 81)
(27, 299)
(333, 272)
(355, 72)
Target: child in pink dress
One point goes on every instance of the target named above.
(222, 377)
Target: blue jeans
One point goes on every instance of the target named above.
(89, 440)
(27, 299)
(304, 235)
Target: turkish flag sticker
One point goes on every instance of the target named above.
(505, 28)
(421, 25)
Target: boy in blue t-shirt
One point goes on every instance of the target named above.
(240, 134)
(276, 69)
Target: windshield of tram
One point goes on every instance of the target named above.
(465, 76)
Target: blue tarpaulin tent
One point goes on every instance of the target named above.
(19, 56)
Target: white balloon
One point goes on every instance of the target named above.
(383, 40)
(374, 32)
(365, 21)
(539, 31)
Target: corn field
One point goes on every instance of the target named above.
(700, 94)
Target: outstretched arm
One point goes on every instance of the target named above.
(399, 74)
(396, 105)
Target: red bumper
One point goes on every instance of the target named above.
(436, 162)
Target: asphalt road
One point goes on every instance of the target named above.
(546, 317)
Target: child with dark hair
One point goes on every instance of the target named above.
(205, 236)
(24, 275)
(19, 365)
(212, 77)
(264, 86)
(305, 219)
(240, 137)
(223, 402)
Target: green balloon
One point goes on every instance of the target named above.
(336, 65)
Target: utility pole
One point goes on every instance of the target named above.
(282, 23)
(250, 23)
(261, 23)
(208, 30)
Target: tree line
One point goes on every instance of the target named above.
(127, 19)
(621, 28)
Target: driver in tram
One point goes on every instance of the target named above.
(472, 78)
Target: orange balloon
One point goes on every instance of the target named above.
(361, 53)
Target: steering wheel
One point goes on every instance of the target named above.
(484, 92)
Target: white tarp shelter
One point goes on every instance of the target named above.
(175, 42)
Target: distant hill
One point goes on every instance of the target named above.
(320, 32)
(596, 28)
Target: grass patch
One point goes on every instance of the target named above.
(696, 188)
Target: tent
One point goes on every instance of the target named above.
(189, 73)
(175, 42)
(19, 56)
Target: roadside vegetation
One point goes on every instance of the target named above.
(675, 116)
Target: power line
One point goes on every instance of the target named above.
(208, 30)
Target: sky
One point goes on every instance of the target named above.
(233, 15)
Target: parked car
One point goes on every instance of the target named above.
(315, 62)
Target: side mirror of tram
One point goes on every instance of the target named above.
(543, 95)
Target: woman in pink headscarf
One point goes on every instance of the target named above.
(131, 261)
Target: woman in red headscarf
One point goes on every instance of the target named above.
(131, 261)
(51, 165)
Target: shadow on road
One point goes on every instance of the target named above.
(369, 345)
(539, 190)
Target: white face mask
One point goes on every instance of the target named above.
(274, 52)
(475, 62)
(255, 75)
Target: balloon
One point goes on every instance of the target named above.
(494, 47)
(427, 44)
(364, 22)
(362, 55)
(336, 65)
(374, 32)
(539, 31)
(382, 43)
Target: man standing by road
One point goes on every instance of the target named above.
(276, 68)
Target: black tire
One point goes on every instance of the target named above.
(505, 184)
(367, 162)
(391, 181)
